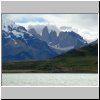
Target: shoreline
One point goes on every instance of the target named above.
(34, 71)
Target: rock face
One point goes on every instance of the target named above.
(70, 39)
(64, 42)
(33, 32)
(45, 35)
(53, 38)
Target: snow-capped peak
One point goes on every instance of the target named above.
(7, 23)
(9, 26)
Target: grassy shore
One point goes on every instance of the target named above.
(71, 65)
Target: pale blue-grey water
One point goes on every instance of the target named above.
(29, 79)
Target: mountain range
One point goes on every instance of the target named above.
(19, 43)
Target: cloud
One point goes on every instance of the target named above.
(26, 20)
(85, 24)
(66, 28)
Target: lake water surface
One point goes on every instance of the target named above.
(29, 79)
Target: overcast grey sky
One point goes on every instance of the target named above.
(84, 24)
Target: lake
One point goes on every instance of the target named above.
(30, 79)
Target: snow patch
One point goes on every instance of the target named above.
(62, 49)
(15, 42)
(18, 34)
(8, 36)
